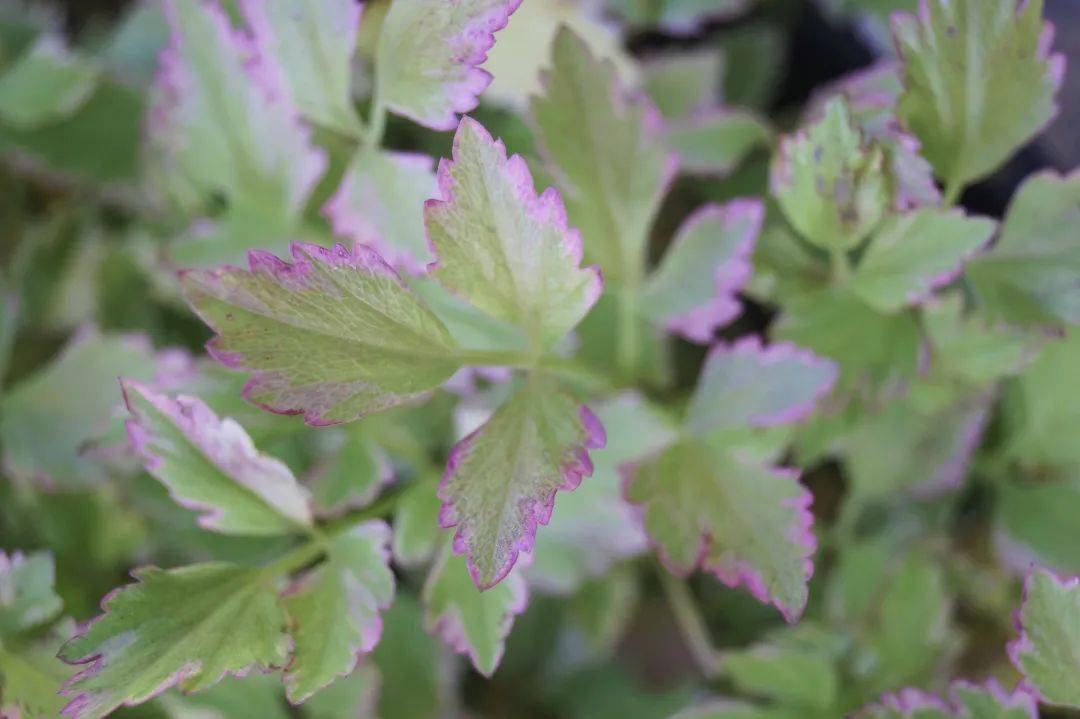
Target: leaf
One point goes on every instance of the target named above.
(919, 445)
(31, 676)
(354, 471)
(745, 384)
(716, 142)
(1047, 652)
(27, 597)
(47, 83)
(416, 668)
(220, 123)
(747, 524)
(1036, 522)
(416, 521)
(50, 418)
(335, 609)
(254, 696)
(312, 45)
(793, 676)
(685, 83)
(354, 696)
(830, 182)
(502, 247)
(471, 621)
(975, 701)
(428, 57)
(500, 481)
(333, 335)
(1029, 276)
(379, 203)
(965, 63)
(694, 290)
(916, 253)
(606, 149)
(189, 626)
(211, 466)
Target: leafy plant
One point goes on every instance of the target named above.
(618, 333)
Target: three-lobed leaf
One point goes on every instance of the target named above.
(334, 334)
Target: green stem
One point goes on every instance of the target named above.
(953, 188)
(841, 266)
(376, 124)
(691, 624)
(628, 341)
(298, 558)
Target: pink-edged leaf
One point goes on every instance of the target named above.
(190, 626)
(428, 57)
(223, 122)
(1047, 652)
(470, 621)
(748, 384)
(694, 291)
(502, 247)
(312, 43)
(500, 481)
(335, 610)
(720, 509)
(210, 465)
(971, 701)
(334, 335)
(380, 203)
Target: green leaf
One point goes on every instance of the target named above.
(913, 254)
(1036, 522)
(500, 481)
(333, 335)
(428, 56)
(335, 609)
(470, 621)
(220, 124)
(714, 143)
(415, 666)
(792, 676)
(27, 598)
(354, 696)
(971, 701)
(683, 84)
(919, 445)
(694, 290)
(354, 470)
(830, 182)
(380, 203)
(607, 151)
(416, 521)
(189, 626)
(502, 247)
(874, 350)
(210, 465)
(1047, 651)
(748, 524)
(979, 82)
(745, 384)
(313, 44)
(49, 419)
(31, 676)
(47, 83)
(254, 696)
(1029, 276)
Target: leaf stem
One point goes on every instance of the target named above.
(300, 557)
(953, 188)
(691, 623)
(840, 264)
(628, 340)
(376, 124)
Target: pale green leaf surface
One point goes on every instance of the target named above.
(50, 417)
(190, 626)
(1047, 651)
(468, 620)
(791, 676)
(682, 84)
(220, 125)
(335, 334)
(747, 524)
(607, 151)
(416, 521)
(715, 143)
(313, 44)
(428, 56)
(356, 695)
(335, 610)
(47, 83)
(212, 466)
(255, 696)
(27, 599)
(913, 254)
(501, 480)
(831, 183)
(355, 470)
(979, 82)
(745, 384)
(380, 203)
(1029, 277)
(502, 247)
(31, 676)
